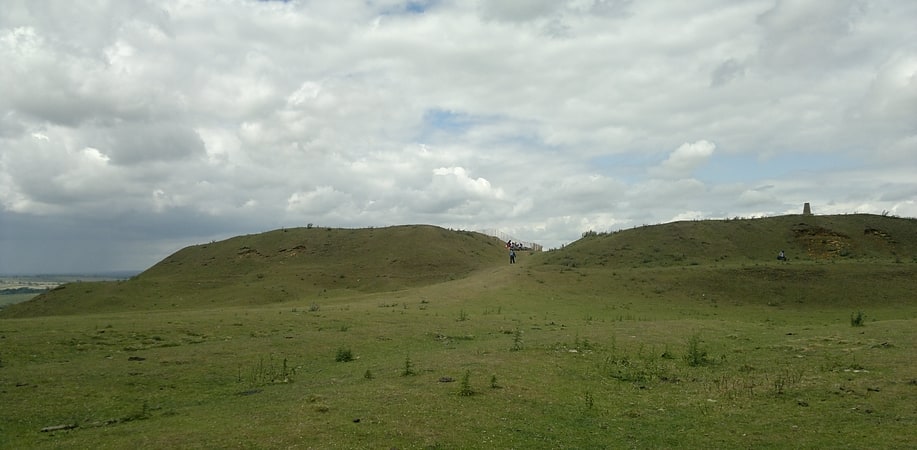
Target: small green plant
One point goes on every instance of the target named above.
(408, 367)
(465, 389)
(265, 373)
(368, 375)
(493, 382)
(517, 341)
(582, 344)
(463, 316)
(696, 354)
(785, 379)
(344, 355)
(858, 320)
(589, 400)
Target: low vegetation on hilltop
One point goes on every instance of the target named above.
(859, 237)
(282, 265)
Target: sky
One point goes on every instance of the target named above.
(130, 129)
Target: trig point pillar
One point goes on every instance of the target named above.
(806, 210)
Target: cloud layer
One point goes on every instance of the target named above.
(129, 129)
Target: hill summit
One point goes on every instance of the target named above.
(282, 265)
(853, 237)
(307, 264)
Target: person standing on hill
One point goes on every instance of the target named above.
(512, 256)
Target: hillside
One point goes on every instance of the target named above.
(855, 237)
(282, 265)
(309, 264)
(420, 337)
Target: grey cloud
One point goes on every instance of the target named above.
(897, 193)
(727, 71)
(135, 143)
(517, 10)
(802, 35)
(613, 8)
(178, 121)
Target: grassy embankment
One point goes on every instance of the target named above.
(680, 335)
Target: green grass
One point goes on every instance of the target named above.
(12, 299)
(280, 266)
(751, 354)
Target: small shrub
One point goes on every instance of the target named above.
(267, 372)
(582, 345)
(368, 375)
(344, 355)
(858, 320)
(667, 354)
(465, 389)
(408, 367)
(696, 355)
(463, 316)
(493, 382)
(517, 341)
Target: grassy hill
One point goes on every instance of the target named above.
(282, 265)
(684, 335)
(315, 263)
(855, 237)
(854, 261)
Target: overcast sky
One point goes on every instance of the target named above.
(130, 129)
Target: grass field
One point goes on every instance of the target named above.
(612, 342)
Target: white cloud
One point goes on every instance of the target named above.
(319, 201)
(182, 121)
(518, 10)
(685, 159)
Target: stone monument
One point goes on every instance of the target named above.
(806, 210)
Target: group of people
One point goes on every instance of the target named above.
(512, 247)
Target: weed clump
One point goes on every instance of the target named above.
(589, 400)
(696, 354)
(265, 373)
(344, 355)
(465, 389)
(408, 367)
(517, 341)
(858, 320)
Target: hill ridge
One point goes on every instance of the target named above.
(307, 264)
(852, 237)
(282, 265)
